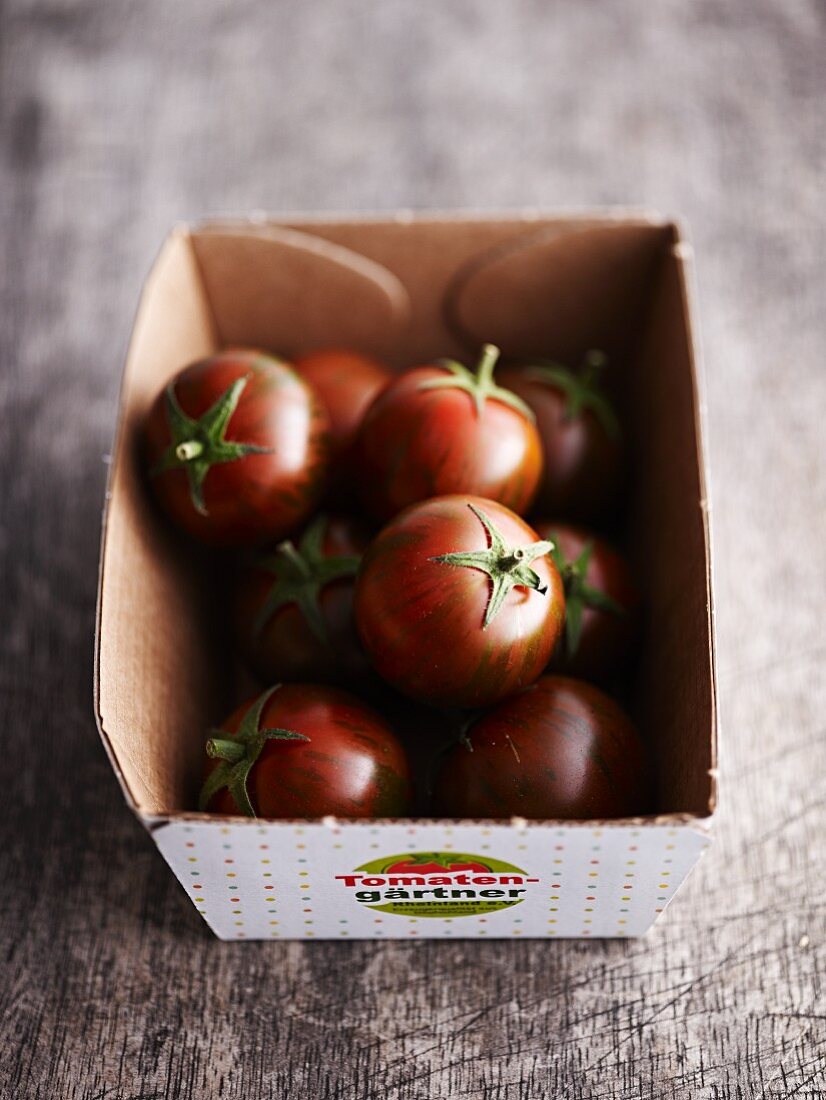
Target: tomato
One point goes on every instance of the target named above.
(559, 749)
(583, 452)
(301, 750)
(458, 603)
(347, 383)
(602, 602)
(294, 607)
(441, 429)
(237, 448)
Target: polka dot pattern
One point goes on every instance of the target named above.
(278, 881)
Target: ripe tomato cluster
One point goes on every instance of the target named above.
(411, 544)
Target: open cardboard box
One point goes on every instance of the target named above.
(408, 288)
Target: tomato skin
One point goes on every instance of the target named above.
(583, 470)
(415, 444)
(421, 621)
(287, 649)
(561, 749)
(260, 496)
(607, 639)
(352, 765)
(347, 383)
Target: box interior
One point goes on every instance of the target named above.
(408, 290)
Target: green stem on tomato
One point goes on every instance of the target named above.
(299, 576)
(507, 566)
(478, 384)
(238, 754)
(221, 749)
(189, 449)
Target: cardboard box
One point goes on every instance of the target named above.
(408, 288)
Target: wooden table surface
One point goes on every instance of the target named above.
(119, 119)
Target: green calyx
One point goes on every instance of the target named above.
(479, 384)
(581, 388)
(300, 573)
(199, 444)
(507, 566)
(238, 754)
(579, 594)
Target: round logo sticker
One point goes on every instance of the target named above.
(437, 884)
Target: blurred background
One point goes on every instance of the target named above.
(119, 119)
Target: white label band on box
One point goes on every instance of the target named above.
(428, 880)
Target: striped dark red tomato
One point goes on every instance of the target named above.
(237, 448)
(583, 470)
(294, 607)
(303, 750)
(602, 602)
(458, 603)
(442, 429)
(559, 749)
(347, 382)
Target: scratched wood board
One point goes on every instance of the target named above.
(119, 119)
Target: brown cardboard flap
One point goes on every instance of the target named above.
(556, 291)
(459, 269)
(668, 531)
(288, 291)
(158, 674)
(539, 284)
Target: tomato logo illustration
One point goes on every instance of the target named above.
(412, 866)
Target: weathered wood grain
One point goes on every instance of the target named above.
(119, 118)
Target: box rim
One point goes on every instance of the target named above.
(683, 252)
(700, 822)
(261, 219)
